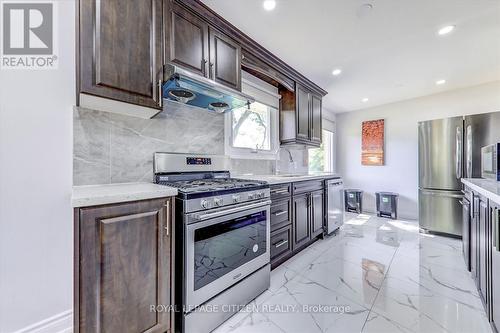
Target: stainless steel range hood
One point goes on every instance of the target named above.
(195, 90)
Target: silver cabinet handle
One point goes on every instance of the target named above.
(280, 212)
(212, 71)
(496, 222)
(494, 226)
(160, 93)
(279, 191)
(167, 207)
(279, 244)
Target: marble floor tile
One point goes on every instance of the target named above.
(358, 282)
(373, 275)
(280, 276)
(303, 259)
(420, 310)
(312, 307)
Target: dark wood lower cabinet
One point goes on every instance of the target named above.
(308, 213)
(485, 255)
(495, 266)
(123, 267)
(484, 249)
(281, 245)
(317, 213)
(301, 221)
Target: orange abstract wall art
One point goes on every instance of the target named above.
(372, 142)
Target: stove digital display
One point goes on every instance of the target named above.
(198, 160)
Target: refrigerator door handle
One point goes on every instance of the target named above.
(458, 153)
(468, 149)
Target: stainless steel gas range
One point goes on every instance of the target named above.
(222, 230)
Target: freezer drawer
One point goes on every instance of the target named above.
(441, 211)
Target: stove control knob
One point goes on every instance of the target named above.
(205, 204)
(236, 198)
(218, 202)
(251, 196)
(260, 194)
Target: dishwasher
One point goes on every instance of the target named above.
(334, 189)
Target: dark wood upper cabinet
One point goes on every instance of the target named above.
(120, 56)
(315, 118)
(300, 117)
(225, 60)
(122, 47)
(123, 266)
(194, 45)
(302, 113)
(186, 40)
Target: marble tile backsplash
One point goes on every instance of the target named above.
(114, 148)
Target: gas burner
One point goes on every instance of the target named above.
(212, 185)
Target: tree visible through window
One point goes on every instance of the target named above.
(321, 159)
(251, 127)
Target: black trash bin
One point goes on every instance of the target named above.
(353, 200)
(387, 204)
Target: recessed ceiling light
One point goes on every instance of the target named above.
(336, 71)
(364, 100)
(446, 30)
(269, 4)
(440, 82)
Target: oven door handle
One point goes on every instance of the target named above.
(207, 216)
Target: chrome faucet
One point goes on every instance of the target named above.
(290, 159)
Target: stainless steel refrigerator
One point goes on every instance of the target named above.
(450, 149)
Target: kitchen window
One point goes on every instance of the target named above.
(321, 159)
(252, 131)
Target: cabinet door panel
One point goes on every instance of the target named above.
(120, 56)
(302, 106)
(225, 60)
(317, 213)
(129, 246)
(124, 267)
(281, 243)
(495, 268)
(301, 227)
(483, 248)
(315, 118)
(187, 43)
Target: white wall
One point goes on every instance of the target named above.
(36, 232)
(400, 172)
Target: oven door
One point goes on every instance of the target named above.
(223, 248)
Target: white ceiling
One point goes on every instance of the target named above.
(388, 54)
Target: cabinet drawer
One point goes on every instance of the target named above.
(281, 244)
(280, 214)
(280, 191)
(307, 186)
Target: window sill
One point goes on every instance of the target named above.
(253, 156)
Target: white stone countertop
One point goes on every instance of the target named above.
(281, 179)
(487, 187)
(93, 195)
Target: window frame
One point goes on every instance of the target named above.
(329, 154)
(263, 93)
